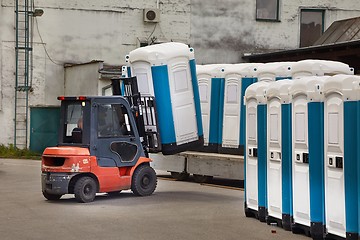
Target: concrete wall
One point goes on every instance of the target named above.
(79, 32)
(82, 79)
(222, 32)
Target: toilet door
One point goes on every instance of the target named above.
(231, 116)
(334, 171)
(251, 155)
(300, 161)
(274, 175)
(204, 81)
(182, 100)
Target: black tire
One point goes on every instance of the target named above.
(51, 197)
(144, 181)
(202, 178)
(180, 176)
(85, 189)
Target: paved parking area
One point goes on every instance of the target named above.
(177, 210)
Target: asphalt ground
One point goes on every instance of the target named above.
(177, 210)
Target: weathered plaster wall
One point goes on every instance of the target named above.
(82, 79)
(222, 32)
(79, 32)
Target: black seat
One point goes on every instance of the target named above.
(76, 135)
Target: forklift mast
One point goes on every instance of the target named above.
(144, 110)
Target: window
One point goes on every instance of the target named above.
(267, 10)
(113, 121)
(73, 123)
(311, 27)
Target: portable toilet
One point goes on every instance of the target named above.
(279, 135)
(340, 122)
(255, 155)
(237, 77)
(312, 67)
(274, 71)
(167, 71)
(308, 155)
(211, 88)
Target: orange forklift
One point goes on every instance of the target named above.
(103, 145)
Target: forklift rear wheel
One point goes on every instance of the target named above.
(144, 181)
(51, 197)
(180, 176)
(85, 189)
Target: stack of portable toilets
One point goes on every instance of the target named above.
(279, 134)
(237, 77)
(341, 161)
(256, 154)
(167, 71)
(211, 88)
(308, 155)
(305, 185)
(307, 162)
(255, 151)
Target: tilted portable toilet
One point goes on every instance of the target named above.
(237, 77)
(211, 88)
(167, 71)
(279, 134)
(308, 155)
(312, 67)
(340, 122)
(274, 71)
(255, 151)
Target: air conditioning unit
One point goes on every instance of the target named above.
(151, 15)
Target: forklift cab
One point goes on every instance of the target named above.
(104, 125)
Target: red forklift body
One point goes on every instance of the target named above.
(99, 151)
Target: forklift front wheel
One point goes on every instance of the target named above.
(85, 189)
(144, 181)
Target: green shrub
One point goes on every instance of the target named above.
(12, 152)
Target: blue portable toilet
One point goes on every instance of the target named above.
(312, 67)
(211, 89)
(237, 77)
(274, 71)
(279, 134)
(167, 71)
(308, 155)
(255, 203)
(340, 149)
